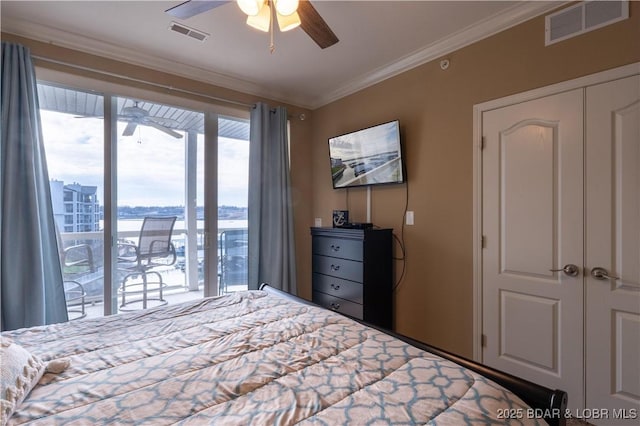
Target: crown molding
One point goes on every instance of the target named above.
(511, 17)
(89, 45)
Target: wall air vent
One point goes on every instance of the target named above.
(191, 32)
(583, 17)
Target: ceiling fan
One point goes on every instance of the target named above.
(134, 116)
(290, 14)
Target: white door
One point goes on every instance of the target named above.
(532, 209)
(613, 243)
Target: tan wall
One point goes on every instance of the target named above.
(434, 301)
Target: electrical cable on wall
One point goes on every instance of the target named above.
(347, 198)
(401, 239)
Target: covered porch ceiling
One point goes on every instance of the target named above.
(88, 104)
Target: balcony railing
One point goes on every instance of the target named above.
(232, 261)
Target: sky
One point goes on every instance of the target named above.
(150, 162)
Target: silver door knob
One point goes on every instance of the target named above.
(602, 274)
(569, 269)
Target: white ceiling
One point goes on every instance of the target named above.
(378, 39)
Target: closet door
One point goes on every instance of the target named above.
(613, 244)
(532, 223)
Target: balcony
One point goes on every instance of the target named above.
(180, 284)
(173, 155)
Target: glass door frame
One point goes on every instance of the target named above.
(110, 92)
(211, 207)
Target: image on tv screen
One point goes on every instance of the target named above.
(369, 156)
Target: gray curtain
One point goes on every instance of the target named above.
(271, 243)
(31, 288)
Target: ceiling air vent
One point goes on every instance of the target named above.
(583, 17)
(191, 32)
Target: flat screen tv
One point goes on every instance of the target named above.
(371, 156)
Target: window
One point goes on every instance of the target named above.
(152, 145)
(160, 171)
(233, 187)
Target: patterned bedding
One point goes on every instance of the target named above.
(248, 358)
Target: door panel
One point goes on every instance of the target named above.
(613, 243)
(538, 348)
(528, 186)
(532, 222)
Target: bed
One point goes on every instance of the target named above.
(261, 357)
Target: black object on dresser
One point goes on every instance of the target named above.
(352, 272)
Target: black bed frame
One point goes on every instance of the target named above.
(549, 405)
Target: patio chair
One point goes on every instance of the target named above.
(138, 262)
(76, 261)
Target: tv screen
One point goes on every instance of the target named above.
(371, 156)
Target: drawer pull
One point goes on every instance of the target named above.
(335, 306)
(335, 267)
(336, 287)
(335, 247)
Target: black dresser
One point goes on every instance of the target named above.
(352, 272)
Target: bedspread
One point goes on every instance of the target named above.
(248, 358)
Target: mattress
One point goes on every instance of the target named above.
(249, 358)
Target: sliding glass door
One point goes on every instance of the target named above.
(233, 186)
(73, 132)
(155, 161)
(157, 176)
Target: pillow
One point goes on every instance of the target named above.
(19, 373)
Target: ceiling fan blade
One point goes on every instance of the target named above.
(131, 127)
(193, 7)
(162, 129)
(316, 27)
(163, 121)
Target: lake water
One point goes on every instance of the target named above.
(125, 225)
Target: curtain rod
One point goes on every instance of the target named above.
(137, 80)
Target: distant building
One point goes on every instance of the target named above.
(75, 207)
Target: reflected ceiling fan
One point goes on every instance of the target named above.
(134, 116)
(262, 14)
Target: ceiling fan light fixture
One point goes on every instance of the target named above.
(262, 20)
(288, 22)
(286, 7)
(251, 7)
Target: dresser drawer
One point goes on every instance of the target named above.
(338, 247)
(337, 304)
(338, 287)
(340, 268)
